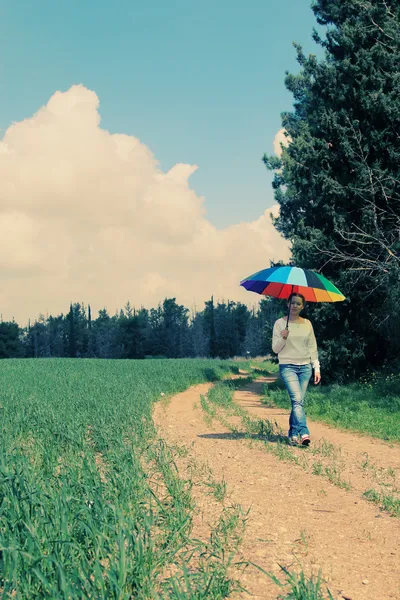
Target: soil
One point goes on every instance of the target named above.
(299, 516)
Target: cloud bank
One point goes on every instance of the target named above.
(89, 216)
(280, 139)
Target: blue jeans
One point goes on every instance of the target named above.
(296, 379)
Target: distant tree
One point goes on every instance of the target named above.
(269, 310)
(81, 329)
(10, 342)
(36, 339)
(253, 342)
(175, 328)
(91, 351)
(71, 333)
(156, 341)
(242, 317)
(226, 330)
(129, 311)
(28, 342)
(209, 322)
(199, 336)
(106, 335)
(55, 334)
(132, 336)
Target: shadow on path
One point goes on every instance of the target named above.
(273, 438)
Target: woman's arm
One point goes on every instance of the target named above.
(278, 342)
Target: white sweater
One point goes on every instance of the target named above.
(300, 347)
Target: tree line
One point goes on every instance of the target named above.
(222, 329)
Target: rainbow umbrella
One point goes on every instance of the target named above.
(280, 282)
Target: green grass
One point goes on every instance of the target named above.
(386, 502)
(91, 502)
(218, 489)
(297, 586)
(371, 407)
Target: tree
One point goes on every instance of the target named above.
(91, 351)
(175, 328)
(270, 309)
(200, 340)
(71, 333)
(338, 179)
(242, 320)
(10, 342)
(156, 342)
(253, 341)
(132, 336)
(37, 338)
(105, 334)
(28, 341)
(55, 327)
(81, 329)
(209, 321)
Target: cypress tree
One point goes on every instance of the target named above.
(338, 180)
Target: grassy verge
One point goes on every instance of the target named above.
(370, 407)
(92, 505)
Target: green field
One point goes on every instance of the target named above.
(91, 505)
(91, 501)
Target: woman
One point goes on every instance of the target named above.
(296, 348)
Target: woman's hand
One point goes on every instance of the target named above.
(285, 333)
(317, 377)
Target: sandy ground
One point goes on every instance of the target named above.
(299, 517)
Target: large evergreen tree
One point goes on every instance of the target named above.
(338, 180)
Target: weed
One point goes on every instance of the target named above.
(386, 502)
(297, 586)
(317, 468)
(218, 489)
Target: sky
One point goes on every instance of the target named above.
(131, 139)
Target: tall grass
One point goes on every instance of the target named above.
(91, 504)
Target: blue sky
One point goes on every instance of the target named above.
(197, 82)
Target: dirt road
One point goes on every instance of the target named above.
(307, 508)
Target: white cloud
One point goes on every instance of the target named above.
(89, 216)
(280, 139)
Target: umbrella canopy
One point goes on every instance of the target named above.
(280, 282)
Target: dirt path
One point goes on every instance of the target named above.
(297, 516)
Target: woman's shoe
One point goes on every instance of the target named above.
(305, 440)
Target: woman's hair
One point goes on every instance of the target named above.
(299, 295)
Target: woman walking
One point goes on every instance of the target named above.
(297, 351)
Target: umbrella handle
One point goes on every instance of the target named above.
(287, 320)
